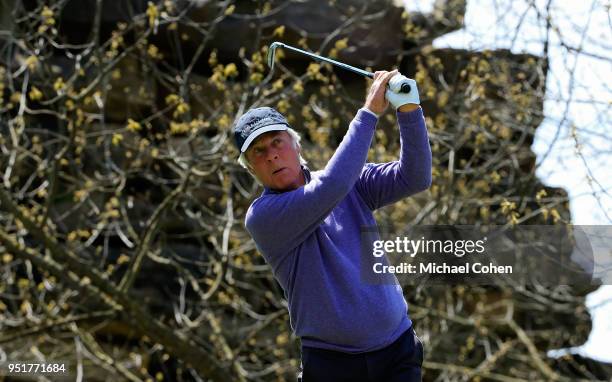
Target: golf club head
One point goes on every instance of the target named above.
(272, 53)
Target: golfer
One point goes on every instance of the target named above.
(307, 223)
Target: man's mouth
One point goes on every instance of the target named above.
(277, 171)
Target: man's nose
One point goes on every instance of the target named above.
(272, 154)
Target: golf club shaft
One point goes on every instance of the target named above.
(353, 69)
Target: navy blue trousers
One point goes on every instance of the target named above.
(399, 362)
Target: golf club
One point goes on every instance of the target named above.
(405, 88)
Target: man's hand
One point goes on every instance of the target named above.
(376, 101)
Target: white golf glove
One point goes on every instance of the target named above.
(398, 99)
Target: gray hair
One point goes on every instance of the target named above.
(295, 138)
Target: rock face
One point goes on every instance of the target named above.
(475, 116)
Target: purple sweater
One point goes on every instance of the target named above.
(310, 236)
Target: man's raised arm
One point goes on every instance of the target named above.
(385, 183)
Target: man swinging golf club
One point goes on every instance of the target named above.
(307, 226)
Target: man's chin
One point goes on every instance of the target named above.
(284, 182)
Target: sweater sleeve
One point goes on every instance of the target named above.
(279, 222)
(385, 183)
